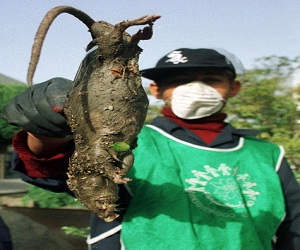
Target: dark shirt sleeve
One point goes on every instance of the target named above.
(5, 238)
(288, 233)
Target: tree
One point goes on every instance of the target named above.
(7, 92)
(267, 102)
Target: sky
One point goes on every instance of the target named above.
(250, 29)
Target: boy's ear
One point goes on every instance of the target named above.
(235, 88)
(155, 90)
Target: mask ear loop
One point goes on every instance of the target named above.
(224, 102)
(168, 100)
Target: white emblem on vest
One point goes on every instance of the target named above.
(222, 186)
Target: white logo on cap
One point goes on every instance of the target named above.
(176, 57)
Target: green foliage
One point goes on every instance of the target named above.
(46, 199)
(7, 92)
(265, 105)
(276, 66)
(83, 232)
(153, 111)
(267, 102)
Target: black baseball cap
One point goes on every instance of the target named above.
(183, 58)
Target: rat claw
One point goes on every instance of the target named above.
(144, 34)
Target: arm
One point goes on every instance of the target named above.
(288, 233)
(43, 147)
(48, 173)
(42, 154)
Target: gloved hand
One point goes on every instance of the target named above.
(39, 109)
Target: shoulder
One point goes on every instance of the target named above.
(265, 149)
(259, 141)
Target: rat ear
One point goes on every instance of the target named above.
(155, 90)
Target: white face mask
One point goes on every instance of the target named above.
(196, 100)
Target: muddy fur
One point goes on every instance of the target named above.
(107, 105)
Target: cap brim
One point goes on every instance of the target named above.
(161, 73)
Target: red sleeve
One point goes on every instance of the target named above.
(41, 167)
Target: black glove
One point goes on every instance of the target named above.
(39, 109)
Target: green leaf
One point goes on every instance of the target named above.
(121, 146)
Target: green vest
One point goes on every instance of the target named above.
(191, 197)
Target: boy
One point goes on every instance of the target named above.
(198, 183)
